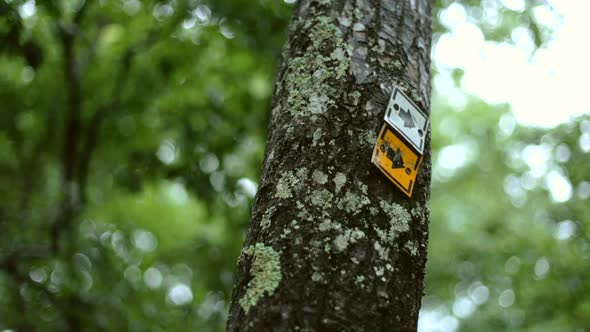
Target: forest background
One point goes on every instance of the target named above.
(167, 102)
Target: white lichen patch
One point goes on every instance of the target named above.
(359, 281)
(397, 212)
(412, 248)
(316, 277)
(327, 225)
(357, 234)
(316, 243)
(318, 104)
(303, 214)
(373, 211)
(355, 96)
(368, 138)
(381, 251)
(363, 187)
(339, 181)
(266, 221)
(286, 183)
(321, 198)
(309, 74)
(419, 213)
(266, 274)
(399, 221)
(358, 27)
(352, 203)
(357, 13)
(342, 241)
(379, 271)
(317, 135)
(302, 172)
(338, 54)
(286, 233)
(345, 21)
(319, 177)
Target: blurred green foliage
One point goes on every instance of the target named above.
(131, 139)
(167, 147)
(509, 245)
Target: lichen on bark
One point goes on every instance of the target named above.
(266, 220)
(399, 221)
(266, 274)
(352, 247)
(309, 92)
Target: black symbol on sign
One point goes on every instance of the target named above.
(396, 158)
(406, 116)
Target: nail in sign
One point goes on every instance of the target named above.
(407, 118)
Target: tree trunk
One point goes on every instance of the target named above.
(332, 244)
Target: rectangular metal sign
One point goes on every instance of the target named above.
(408, 119)
(396, 159)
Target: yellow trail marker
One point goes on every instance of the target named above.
(396, 159)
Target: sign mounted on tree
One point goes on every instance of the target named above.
(407, 118)
(400, 145)
(396, 159)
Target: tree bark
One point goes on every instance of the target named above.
(332, 244)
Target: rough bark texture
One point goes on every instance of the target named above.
(332, 244)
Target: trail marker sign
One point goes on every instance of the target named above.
(396, 159)
(407, 119)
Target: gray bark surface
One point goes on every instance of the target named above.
(332, 244)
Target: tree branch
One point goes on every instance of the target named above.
(9, 264)
(91, 140)
(9, 261)
(11, 40)
(69, 158)
(92, 136)
(30, 167)
(81, 11)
